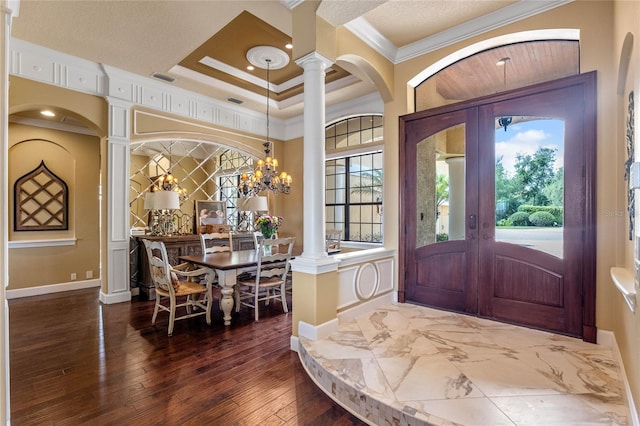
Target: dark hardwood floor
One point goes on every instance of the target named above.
(75, 361)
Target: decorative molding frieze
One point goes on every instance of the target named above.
(37, 63)
(146, 92)
(48, 66)
(51, 67)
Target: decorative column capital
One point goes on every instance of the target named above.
(314, 59)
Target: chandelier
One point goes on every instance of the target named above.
(265, 177)
(168, 182)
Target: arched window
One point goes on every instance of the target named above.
(354, 175)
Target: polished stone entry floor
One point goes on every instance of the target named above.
(407, 364)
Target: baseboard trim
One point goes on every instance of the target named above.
(51, 288)
(109, 299)
(293, 343)
(316, 332)
(608, 338)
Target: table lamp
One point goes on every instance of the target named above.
(165, 202)
(251, 204)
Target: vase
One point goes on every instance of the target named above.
(266, 250)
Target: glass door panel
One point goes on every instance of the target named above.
(440, 187)
(529, 182)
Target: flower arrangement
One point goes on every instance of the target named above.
(268, 224)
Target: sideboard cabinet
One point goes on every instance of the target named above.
(178, 245)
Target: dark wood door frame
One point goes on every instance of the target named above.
(588, 81)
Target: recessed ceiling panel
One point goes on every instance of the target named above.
(224, 57)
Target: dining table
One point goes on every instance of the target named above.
(227, 266)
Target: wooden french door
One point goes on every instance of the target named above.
(462, 247)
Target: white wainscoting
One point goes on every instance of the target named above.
(365, 283)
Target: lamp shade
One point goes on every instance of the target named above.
(148, 200)
(166, 200)
(253, 204)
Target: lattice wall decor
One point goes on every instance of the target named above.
(41, 201)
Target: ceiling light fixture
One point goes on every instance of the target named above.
(289, 46)
(47, 113)
(265, 177)
(503, 63)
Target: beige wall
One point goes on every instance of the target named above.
(75, 158)
(290, 207)
(615, 315)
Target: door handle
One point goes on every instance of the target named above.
(472, 221)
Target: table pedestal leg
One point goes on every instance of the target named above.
(227, 279)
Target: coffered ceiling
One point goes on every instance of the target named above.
(202, 45)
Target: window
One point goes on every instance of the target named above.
(354, 175)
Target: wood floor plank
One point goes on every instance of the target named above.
(75, 361)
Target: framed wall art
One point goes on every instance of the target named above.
(210, 212)
(41, 201)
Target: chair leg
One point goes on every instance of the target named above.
(255, 303)
(155, 310)
(190, 300)
(209, 300)
(172, 314)
(283, 298)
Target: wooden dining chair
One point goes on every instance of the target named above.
(179, 286)
(257, 237)
(216, 242)
(273, 257)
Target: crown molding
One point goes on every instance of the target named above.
(362, 29)
(505, 16)
(291, 4)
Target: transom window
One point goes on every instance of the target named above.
(354, 175)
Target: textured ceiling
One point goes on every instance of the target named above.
(403, 21)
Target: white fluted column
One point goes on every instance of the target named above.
(314, 66)
(456, 198)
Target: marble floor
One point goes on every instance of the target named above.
(406, 364)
